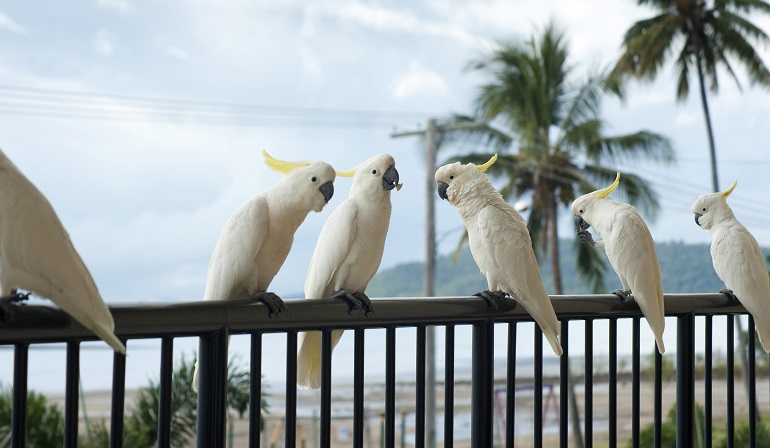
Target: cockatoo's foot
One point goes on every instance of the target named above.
(492, 297)
(356, 301)
(7, 304)
(586, 238)
(623, 295)
(274, 303)
(730, 294)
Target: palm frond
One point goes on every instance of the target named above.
(640, 145)
(590, 266)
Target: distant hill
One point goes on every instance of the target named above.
(685, 268)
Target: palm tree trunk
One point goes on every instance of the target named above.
(553, 244)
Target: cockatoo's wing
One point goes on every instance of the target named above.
(233, 271)
(739, 263)
(332, 250)
(513, 268)
(38, 256)
(632, 255)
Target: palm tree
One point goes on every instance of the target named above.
(703, 35)
(551, 139)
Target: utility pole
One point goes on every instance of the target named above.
(431, 145)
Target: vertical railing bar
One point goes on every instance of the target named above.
(166, 389)
(685, 389)
(538, 411)
(564, 377)
(390, 386)
(211, 421)
(326, 388)
(657, 399)
(635, 379)
(19, 414)
(707, 396)
(118, 399)
(482, 384)
(72, 384)
(752, 384)
(290, 435)
(449, 386)
(589, 382)
(419, 405)
(255, 393)
(510, 388)
(358, 389)
(730, 381)
(613, 386)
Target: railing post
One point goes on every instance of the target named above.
(685, 386)
(482, 384)
(212, 389)
(19, 417)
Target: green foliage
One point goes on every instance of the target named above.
(45, 422)
(668, 430)
(742, 435)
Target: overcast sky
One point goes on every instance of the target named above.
(144, 184)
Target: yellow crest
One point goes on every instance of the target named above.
(349, 173)
(281, 166)
(727, 192)
(489, 163)
(601, 194)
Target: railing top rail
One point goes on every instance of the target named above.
(40, 323)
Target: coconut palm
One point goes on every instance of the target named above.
(702, 35)
(551, 139)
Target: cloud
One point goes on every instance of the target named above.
(6, 23)
(178, 53)
(418, 81)
(104, 42)
(117, 5)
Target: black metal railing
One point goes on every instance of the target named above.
(214, 322)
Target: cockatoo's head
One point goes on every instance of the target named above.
(712, 208)
(584, 206)
(455, 179)
(311, 182)
(375, 176)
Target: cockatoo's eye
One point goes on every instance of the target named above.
(581, 211)
(704, 209)
(374, 172)
(313, 179)
(451, 177)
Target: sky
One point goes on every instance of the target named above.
(143, 122)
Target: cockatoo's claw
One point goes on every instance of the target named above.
(366, 302)
(275, 305)
(492, 297)
(7, 304)
(354, 303)
(585, 237)
(623, 295)
(730, 294)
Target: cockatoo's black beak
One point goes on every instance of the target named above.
(442, 188)
(327, 190)
(390, 179)
(581, 224)
(697, 218)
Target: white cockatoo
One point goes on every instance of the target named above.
(37, 255)
(257, 238)
(630, 249)
(499, 242)
(737, 259)
(348, 253)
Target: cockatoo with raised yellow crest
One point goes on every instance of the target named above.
(737, 259)
(37, 255)
(630, 249)
(499, 242)
(348, 253)
(257, 238)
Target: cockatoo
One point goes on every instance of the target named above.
(257, 238)
(737, 259)
(630, 249)
(348, 253)
(37, 255)
(499, 242)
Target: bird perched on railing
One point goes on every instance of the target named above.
(630, 249)
(258, 237)
(737, 259)
(500, 243)
(348, 253)
(37, 255)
